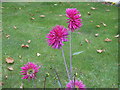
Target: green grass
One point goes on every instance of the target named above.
(94, 69)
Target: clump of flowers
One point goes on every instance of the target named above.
(57, 36)
(75, 84)
(29, 71)
(74, 19)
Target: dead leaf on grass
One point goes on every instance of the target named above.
(107, 40)
(100, 51)
(29, 41)
(14, 27)
(98, 26)
(92, 8)
(42, 16)
(38, 54)
(96, 35)
(10, 68)
(32, 18)
(117, 36)
(87, 40)
(24, 46)
(9, 60)
(7, 35)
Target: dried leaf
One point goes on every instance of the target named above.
(38, 54)
(89, 13)
(20, 56)
(91, 21)
(6, 77)
(29, 41)
(98, 26)
(7, 35)
(42, 16)
(32, 18)
(24, 46)
(92, 8)
(103, 24)
(60, 15)
(117, 36)
(21, 86)
(1, 83)
(100, 51)
(14, 27)
(107, 10)
(107, 40)
(96, 35)
(10, 68)
(9, 60)
(86, 40)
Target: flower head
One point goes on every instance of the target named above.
(74, 19)
(29, 70)
(75, 84)
(57, 36)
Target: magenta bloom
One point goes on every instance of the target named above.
(75, 84)
(57, 36)
(74, 19)
(29, 70)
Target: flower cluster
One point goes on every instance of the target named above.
(74, 19)
(57, 36)
(29, 70)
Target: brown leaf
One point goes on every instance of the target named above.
(98, 26)
(14, 27)
(103, 24)
(86, 40)
(32, 18)
(107, 40)
(100, 51)
(24, 46)
(7, 35)
(60, 15)
(117, 36)
(29, 41)
(96, 35)
(10, 68)
(1, 83)
(42, 16)
(91, 21)
(9, 60)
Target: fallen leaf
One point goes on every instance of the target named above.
(91, 21)
(6, 77)
(86, 40)
(96, 35)
(38, 54)
(100, 51)
(117, 36)
(32, 18)
(26, 46)
(1, 83)
(9, 60)
(89, 13)
(21, 86)
(107, 10)
(20, 56)
(42, 16)
(10, 68)
(107, 40)
(98, 26)
(60, 15)
(92, 8)
(7, 35)
(29, 41)
(103, 24)
(14, 27)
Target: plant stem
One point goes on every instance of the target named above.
(45, 82)
(34, 83)
(58, 78)
(65, 64)
(70, 54)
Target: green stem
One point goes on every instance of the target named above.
(65, 64)
(71, 54)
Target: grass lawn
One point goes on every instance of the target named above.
(96, 70)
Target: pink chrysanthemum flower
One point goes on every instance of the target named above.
(29, 70)
(75, 84)
(74, 19)
(57, 36)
